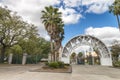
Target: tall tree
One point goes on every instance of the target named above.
(115, 9)
(51, 18)
(73, 57)
(115, 49)
(59, 36)
(80, 54)
(12, 30)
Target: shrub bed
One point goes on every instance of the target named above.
(116, 64)
(58, 64)
(53, 65)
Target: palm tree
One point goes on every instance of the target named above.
(80, 54)
(73, 57)
(59, 33)
(51, 18)
(115, 9)
(59, 36)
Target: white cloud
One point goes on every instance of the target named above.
(93, 6)
(97, 6)
(70, 16)
(30, 10)
(72, 3)
(106, 34)
(71, 11)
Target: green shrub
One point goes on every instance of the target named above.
(67, 64)
(53, 65)
(61, 64)
(116, 64)
(46, 63)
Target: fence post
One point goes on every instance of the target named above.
(49, 57)
(24, 59)
(10, 58)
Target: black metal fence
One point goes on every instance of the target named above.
(31, 59)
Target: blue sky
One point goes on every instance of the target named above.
(91, 19)
(80, 17)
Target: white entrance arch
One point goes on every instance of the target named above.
(104, 53)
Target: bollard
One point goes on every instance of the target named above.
(24, 59)
(10, 58)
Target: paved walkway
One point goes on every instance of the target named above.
(79, 73)
(95, 73)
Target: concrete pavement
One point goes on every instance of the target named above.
(80, 72)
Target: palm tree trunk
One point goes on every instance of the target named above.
(118, 21)
(58, 52)
(51, 49)
(55, 56)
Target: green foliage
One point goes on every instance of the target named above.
(116, 64)
(73, 55)
(18, 37)
(80, 54)
(16, 49)
(54, 65)
(36, 48)
(61, 64)
(115, 49)
(66, 64)
(115, 9)
(51, 18)
(58, 64)
(12, 30)
(46, 63)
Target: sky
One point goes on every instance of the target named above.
(81, 17)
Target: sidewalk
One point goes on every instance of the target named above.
(79, 73)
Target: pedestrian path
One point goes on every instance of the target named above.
(79, 72)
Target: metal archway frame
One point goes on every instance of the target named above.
(105, 56)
